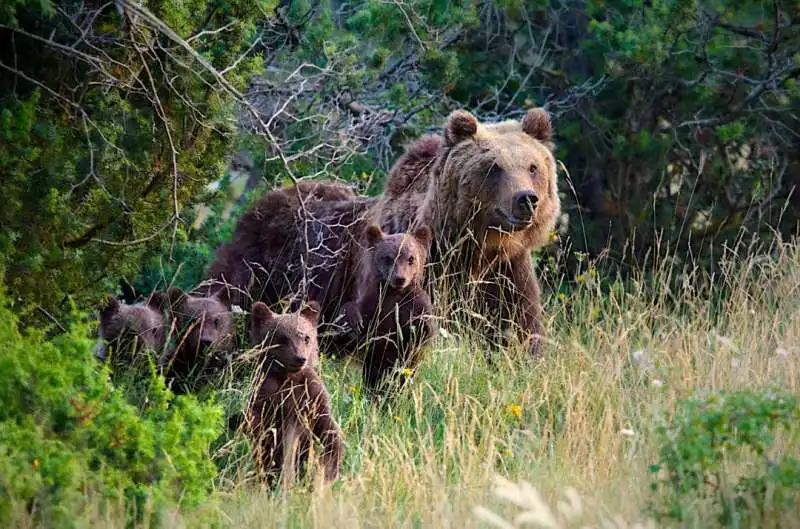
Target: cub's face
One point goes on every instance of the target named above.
(143, 324)
(206, 323)
(398, 260)
(289, 341)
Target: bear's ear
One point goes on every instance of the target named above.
(176, 296)
(224, 297)
(158, 301)
(536, 124)
(260, 313)
(312, 311)
(374, 234)
(461, 125)
(424, 236)
(109, 308)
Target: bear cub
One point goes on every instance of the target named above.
(289, 406)
(132, 328)
(391, 312)
(206, 335)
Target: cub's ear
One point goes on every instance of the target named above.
(374, 234)
(424, 236)
(312, 311)
(260, 313)
(109, 308)
(176, 296)
(224, 297)
(158, 301)
(537, 125)
(461, 125)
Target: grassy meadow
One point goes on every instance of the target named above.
(563, 442)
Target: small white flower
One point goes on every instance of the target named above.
(781, 352)
(657, 383)
(236, 309)
(638, 356)
(627, 432)
(444, 332)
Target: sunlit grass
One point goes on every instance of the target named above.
(581, 420)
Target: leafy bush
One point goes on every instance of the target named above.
(108, 130)
(709, 435)
(67, 434)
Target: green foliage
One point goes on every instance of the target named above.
(708, 436)
(106, 138)
(66, 432)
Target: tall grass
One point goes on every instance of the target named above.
(579, 422)
(565, 441)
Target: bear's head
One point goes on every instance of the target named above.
(139, 327)
(398, 260)
(501, 179)
(204, 323)
(288, 341)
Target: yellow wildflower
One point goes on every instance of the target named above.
(514, 409)
(406, 372)
(580, 279)
(562, 296)
(35, 463)
(554, 236)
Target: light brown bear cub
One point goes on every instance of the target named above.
(289, 405)
(132, 328)
(391, 312)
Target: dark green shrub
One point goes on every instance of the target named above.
(67, 434)
(717, 449)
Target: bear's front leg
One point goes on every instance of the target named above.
(352, 314)
(326, 431)
(513, 293)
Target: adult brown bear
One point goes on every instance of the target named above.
(487, 191)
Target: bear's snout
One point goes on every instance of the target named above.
(525, 205)
(399, 281)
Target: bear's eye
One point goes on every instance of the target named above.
(411, 260)
(534, 170)
(307, 339)
(216, 321)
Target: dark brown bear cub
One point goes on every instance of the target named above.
(205, 335)
(391, 313)
(132, 328)
(289, 405)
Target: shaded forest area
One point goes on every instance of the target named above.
(676, 122)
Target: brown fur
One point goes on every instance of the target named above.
(470, 191)
(284, 247)
(390, 297)
(133, 328)
(205, 335)
(289, 405)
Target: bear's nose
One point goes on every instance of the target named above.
(299, 360)
(525, 204)
(399, 281)
(206, 342)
